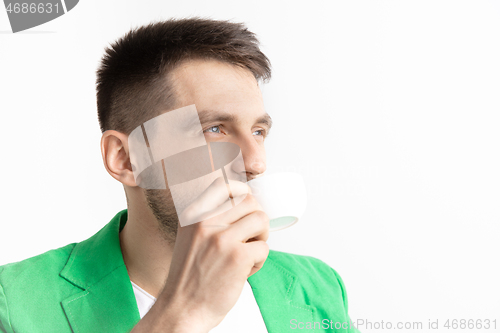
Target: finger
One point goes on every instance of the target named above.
(228, 213)
(218, 193)
(215, 195)
(259, 251)
(253, 226)
(225, 214)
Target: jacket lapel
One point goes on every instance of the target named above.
(106, 302)
(276, 291)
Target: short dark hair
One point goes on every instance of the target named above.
(132, 79)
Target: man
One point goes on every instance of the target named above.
(143, 272)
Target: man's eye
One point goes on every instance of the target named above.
(261, 132)
(211, 131)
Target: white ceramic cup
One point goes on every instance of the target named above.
(282, 196)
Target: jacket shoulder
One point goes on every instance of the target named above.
(27, 282)
(314, 274)
(35, 268)
(33, 286)
(314, 267)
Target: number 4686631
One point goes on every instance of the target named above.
(32, 8)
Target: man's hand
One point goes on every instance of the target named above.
(212, 260)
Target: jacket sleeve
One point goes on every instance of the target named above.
(5, 326)
(352, 328)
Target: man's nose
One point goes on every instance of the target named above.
(254, 159)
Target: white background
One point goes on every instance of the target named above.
(389, 109)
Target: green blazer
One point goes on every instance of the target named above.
(85, 287)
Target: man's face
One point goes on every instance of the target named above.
(230, 107)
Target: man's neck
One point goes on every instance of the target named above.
(146, 253)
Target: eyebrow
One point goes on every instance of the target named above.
(212, 116)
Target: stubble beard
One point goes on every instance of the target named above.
(162, 206)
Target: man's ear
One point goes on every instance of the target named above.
(116, 158)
